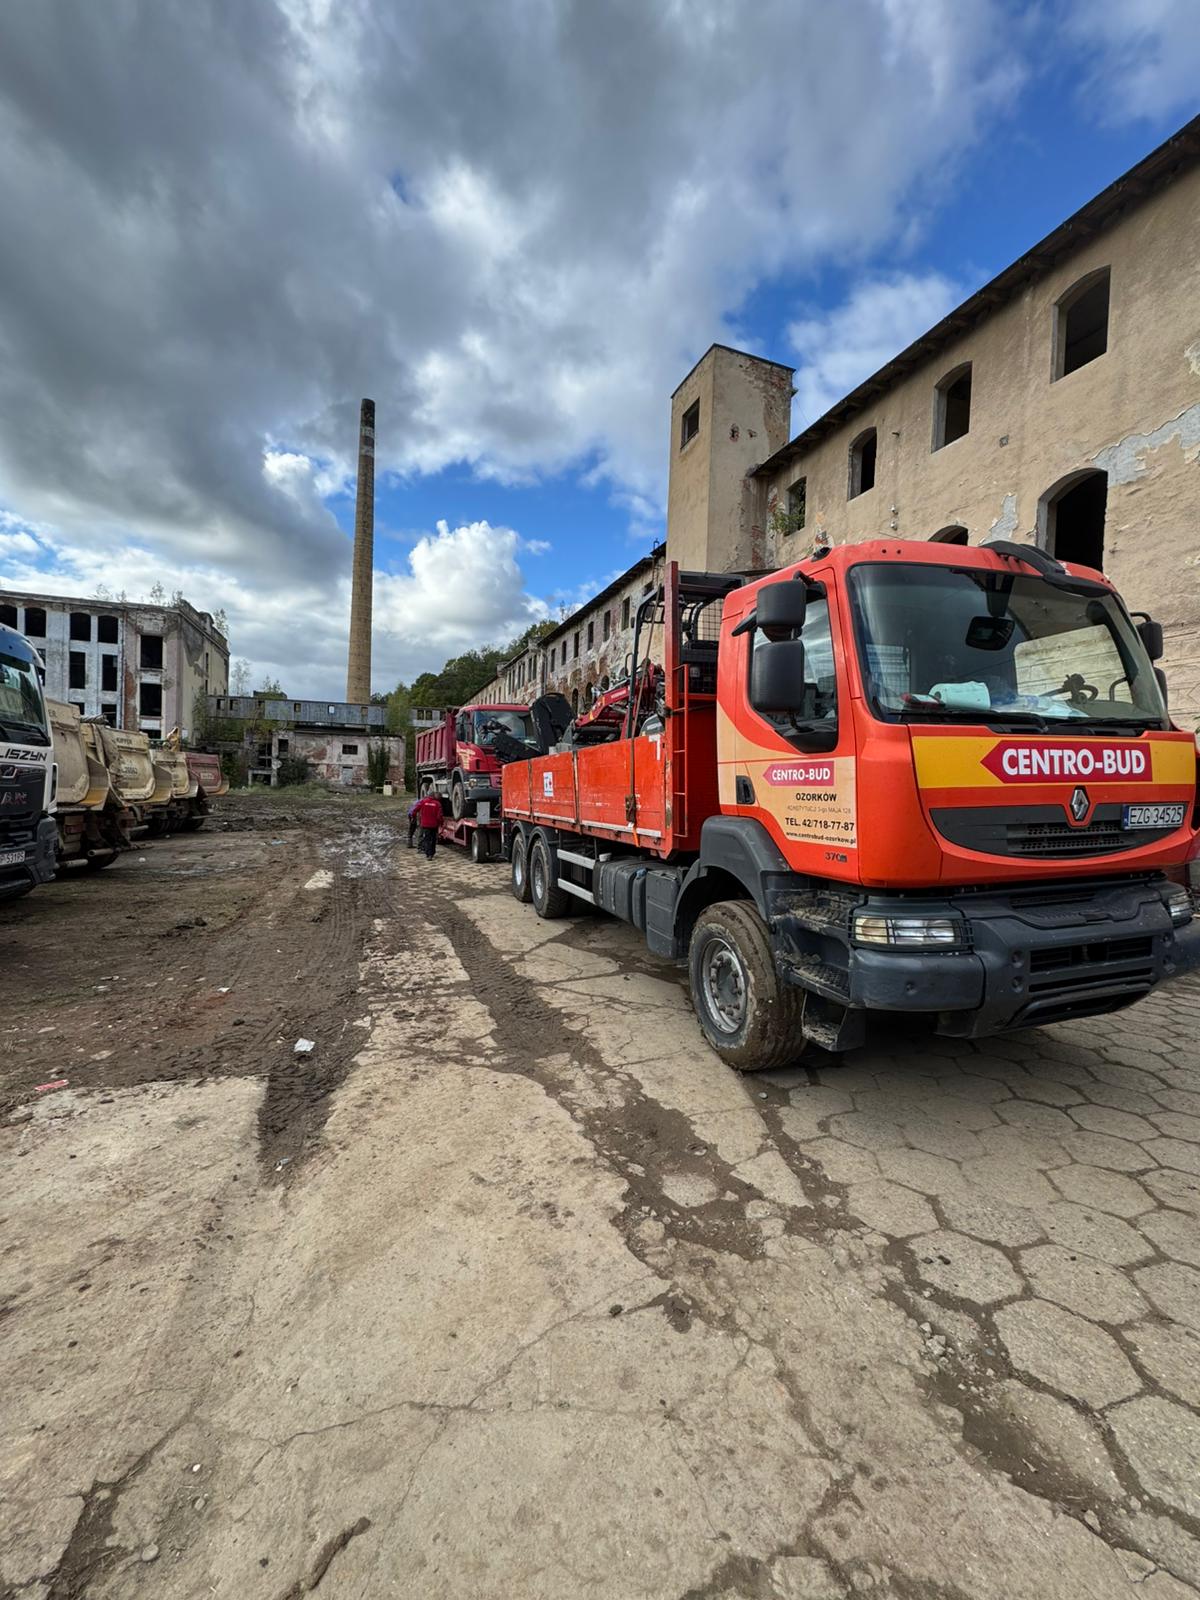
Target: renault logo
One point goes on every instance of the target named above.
(1080, 804)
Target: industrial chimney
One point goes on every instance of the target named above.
(358, 672)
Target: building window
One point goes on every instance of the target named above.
(107, 630)
(77, 670)
(797, 512)
(689, 427)
(8, 615)
(862, 464)
(591, 633)
(283, 746)
(35, 622)
(81, 625)
(152, 652)
(625, 612)
(577, 645)
(607, 625)
(80, 707)
(1071, 519)
(1081, 323)
(109, 712)
(954, 534)
(349, 749)
(150, 699)
(108, 672)
(952, 406)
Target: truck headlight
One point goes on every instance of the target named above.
(1179, 905)
(909, 932)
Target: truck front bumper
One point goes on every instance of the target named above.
(37, 861)
(1031, 956)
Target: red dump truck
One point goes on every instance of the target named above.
(457, 760)
(897, 777)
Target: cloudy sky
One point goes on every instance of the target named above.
(514, 223)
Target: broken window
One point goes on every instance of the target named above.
(690, 425)
(1074, 519)
(8, 615)
(107, 630)
(150, 699)
(862, 464)
(81, 625)
(797, 511)
(1081, 323)
(625, 612)
(77, 670)
(952, 406)
(152, 652)
(35, 622)
(108, 672)
(283, 746)
(349, 749)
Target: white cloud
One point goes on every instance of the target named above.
(1142, 61)
(18, 544)
(838, 350)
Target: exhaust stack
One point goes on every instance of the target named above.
(358, 673)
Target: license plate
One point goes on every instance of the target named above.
(11, 858)
(1153, 816)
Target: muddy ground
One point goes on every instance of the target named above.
(508, 1289)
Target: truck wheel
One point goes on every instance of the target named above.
(478, 848)
(458, 799)
(749, 1016)
(520, 868)
(549, 900)
(97, 861)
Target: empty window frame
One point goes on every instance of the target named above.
(81, 625)
(352, 749)
(689, 425)
(1072, 516)
(591, 634)
(1081, 323)
(606, 628)
(797, 505)
(625, 612)
(109, 712)
(108, 673)
(862, 464)
(577, 645)
(107, 630)
(151, 657)
(150, 699)
(952, 406)
(77, 670)
(35, 622)
(8, 615)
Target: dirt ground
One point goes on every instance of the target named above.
(508, 1289)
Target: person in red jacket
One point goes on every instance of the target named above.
(429, 815)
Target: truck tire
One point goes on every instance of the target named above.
(549, 901)
(519, 881)
(97, 861)
(458, 798)
(749, 1016)
(478, 847)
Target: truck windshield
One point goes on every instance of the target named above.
(515, 724)
(958, 644)
(22, 712)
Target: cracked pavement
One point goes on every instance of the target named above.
(552, 1304)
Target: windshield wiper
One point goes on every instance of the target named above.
(988, 716)
(6, 731)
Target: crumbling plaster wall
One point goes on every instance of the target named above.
(325, 752)
(1134, 413)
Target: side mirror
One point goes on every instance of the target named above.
(777, 674)
(782, 605)
(1151, 635)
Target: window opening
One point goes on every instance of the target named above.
(109, 712)
(81, 625)
(797, 512)
(862, 464)
(35, 622)
(107, 630)
(1074, 521)
(150, 699)
(952, 407)
(152, 652)
(8, 614)
(108, 672)
(1081, 323)
(954, 534)
(689, 427)
(625, 612)
(77, 670)
(352, 749)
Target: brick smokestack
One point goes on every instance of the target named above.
(358, 673)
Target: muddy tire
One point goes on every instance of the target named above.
(549, 901)
(748, 1015)
(477, 849)
(458, 799)
(519, 880)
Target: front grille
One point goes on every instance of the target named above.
(1040, 831)
(1064, 957)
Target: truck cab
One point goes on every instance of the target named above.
(460, 760)
(27, 772)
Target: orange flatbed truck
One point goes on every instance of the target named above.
(897, 777)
